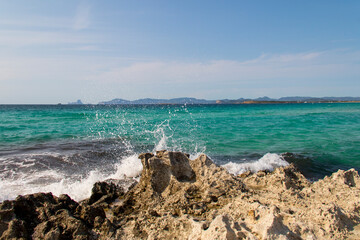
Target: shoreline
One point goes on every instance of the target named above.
(178, 198)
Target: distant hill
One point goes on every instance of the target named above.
(317, 99)
(264, 99)
(116, 101)
(160, 101)
(186, 100)
(295, 99)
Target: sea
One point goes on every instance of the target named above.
(67, 148)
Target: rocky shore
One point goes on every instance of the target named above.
(179, 198)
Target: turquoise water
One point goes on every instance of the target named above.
(323, 137)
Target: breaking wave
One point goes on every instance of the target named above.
(269, 162)
(59, 182)
(73, 167)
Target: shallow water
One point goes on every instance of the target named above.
(65, 149)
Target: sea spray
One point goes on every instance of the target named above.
(78, 187)
(53, 171)
(65, 149)
(160, 135)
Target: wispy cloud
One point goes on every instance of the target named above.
(101, 78)
(285, 58)
(293, 74)
(36, 22)
(82, 17)
(40, 31)
(286, 66)
(20, 38)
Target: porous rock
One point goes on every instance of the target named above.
(179, 198)
(201, 200)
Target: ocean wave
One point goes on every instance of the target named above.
(59, 183)
(73, 168)
(79, 186)
(269, 162)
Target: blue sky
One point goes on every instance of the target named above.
(61, 51)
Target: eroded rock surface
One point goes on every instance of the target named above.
(179, 198)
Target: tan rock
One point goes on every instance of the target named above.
(179, 198)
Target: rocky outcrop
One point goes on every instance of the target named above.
(44, 216)
(179, 198)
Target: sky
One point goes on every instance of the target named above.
(60, 51)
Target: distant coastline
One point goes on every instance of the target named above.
(284, 102)
(261, 100)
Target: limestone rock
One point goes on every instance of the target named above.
(222, 227)
(179, 198)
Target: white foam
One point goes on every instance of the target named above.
(269, 162)
(57, 183)
(79, 188)
(76, 186)
(129, 167)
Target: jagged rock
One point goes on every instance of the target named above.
(222, 227)
(88, 213)
(42, 216)
(16, 230)
(62, 226)
(171, 182)
(271, 226)
(104, 192)
(283, 178)
(126, 183)
(179, 198)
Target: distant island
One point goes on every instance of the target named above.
(160, 101)
(78, 102)
(260, 100)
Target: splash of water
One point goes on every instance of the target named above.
(58, 183)
(269, 162)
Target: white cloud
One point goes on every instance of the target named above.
(48, 30)
(45, 30)
(95, 79)
(289, 66)
(274, 75)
